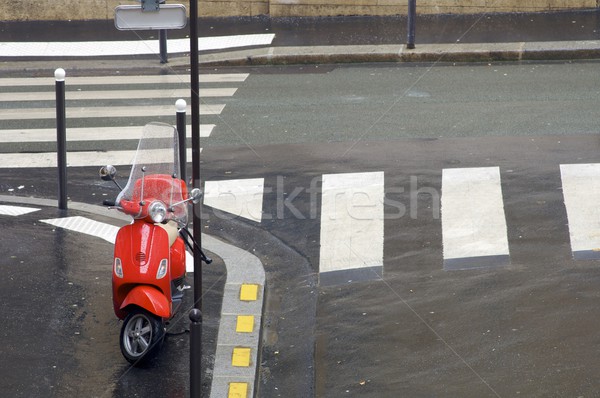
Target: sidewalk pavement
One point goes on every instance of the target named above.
(439, 38)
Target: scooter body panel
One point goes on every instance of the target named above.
(178, 255)
(149, 298)
(141, 247)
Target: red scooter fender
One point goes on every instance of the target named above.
(150, 299)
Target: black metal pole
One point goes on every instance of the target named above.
(61, 138)
(196, 349)
(196, 314)
(412, 16)
(162, 42)
(181, 106)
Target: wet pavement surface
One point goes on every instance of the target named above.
(526, 329)
(60, 335)
(523, 330)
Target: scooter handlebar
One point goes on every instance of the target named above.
(110, 203)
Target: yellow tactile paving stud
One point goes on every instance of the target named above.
(244, 324)
(240, 357)
(249, 292)
(238, 390)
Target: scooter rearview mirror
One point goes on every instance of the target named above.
(196, 195)
(108, 173)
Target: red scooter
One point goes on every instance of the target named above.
(148, 279)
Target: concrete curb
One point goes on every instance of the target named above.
(238, 342)
(449, 52)
(457, 52)
(237, 356)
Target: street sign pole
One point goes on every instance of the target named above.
(162, 45)
(196, 312)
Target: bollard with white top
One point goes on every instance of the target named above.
(180, 107)
(61, 138)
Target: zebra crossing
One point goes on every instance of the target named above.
(100, 108)
(352, 218)
(473, 218)
(352, 205)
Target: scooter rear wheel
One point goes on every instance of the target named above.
(141, 336)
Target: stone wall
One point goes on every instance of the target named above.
(33, 10)
(279, 8)
(61, 10)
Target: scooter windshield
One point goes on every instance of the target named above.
(154, 178)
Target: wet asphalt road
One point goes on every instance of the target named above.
(523, 330)
(60, 336)
(528, 329)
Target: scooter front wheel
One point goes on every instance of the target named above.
(141, 336)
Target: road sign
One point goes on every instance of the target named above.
(168, 16)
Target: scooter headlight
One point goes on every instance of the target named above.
(157, 211)
(162, 268)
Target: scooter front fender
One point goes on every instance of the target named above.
(150, 299)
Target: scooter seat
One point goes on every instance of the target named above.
(172, 230)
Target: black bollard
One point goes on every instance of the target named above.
(61, 138)
(195, 350)
(181, 106)
(412, 16)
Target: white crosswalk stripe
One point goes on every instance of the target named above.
(473, 221)
(241, 198)
(122, 80)
(581, 191)
(100, 108)
(87, 133)
(113, 94)
(352, 221)
(136, 47)
(74, 159)
(104, 112)
(6, 210)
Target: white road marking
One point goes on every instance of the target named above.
(239, 198)
(352, 223)
(86, 226)
(104, 111)
(101, 230)
(473, 221)
(6, 210)
(74, 159)
(581, 191)
(122, 80)
(115, 94)
(137, 47)
(116, 133)
(88, 133)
